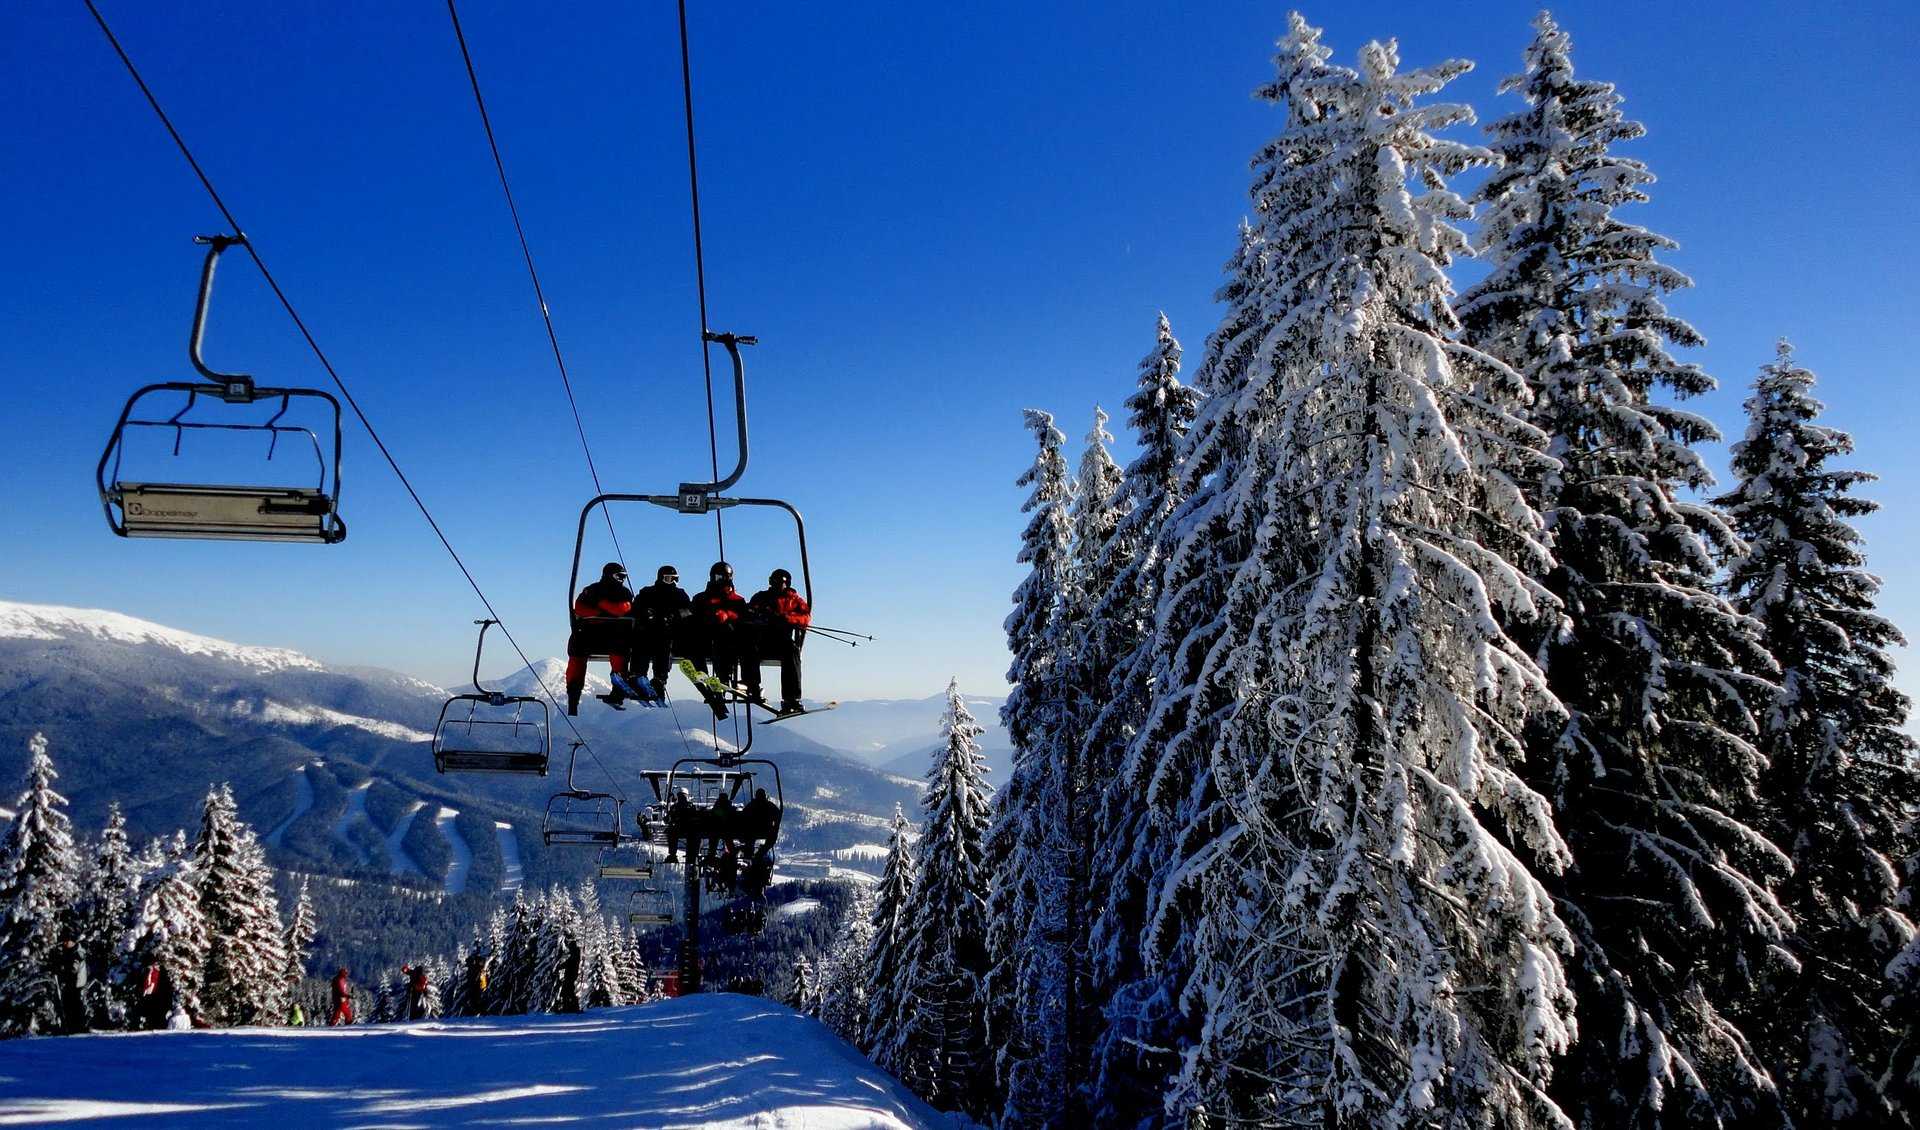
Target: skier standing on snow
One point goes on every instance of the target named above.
(663, 609)
(416, 991)
(71, 971)
(342, 999)
(777, 618)
(609, 602)
(717, 630)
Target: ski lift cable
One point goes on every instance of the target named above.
(533, 273)
(320, 354)
(700, 267)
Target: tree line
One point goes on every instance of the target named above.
(1410, 734)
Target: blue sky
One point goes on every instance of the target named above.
(932, 216)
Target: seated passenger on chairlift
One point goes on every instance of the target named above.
(661, 611)
(608, 599)
(721, 825)
(683, 826)
(715, 637)
(758, 822)
(777, 617)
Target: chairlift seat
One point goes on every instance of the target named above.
(581, 818)
(483, 761)
(649, 918)
(626, 871)
(187, 510)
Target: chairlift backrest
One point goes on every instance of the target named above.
(142, 507)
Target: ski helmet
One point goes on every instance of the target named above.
(720, 571)
(668, 574)
(613, 570)
(780, 578)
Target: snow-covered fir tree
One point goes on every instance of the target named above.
(1839, 780)
(1653, 775)
(1030, 844)
(301, 928)
(559, 956)
(39, 879)
(247, 957)
(600, 985)
(1112, 651)
(166, 950)
(107, 906)
(944, 962)
(843, 973)
(803, 987)
(887, 1002)
(1355, 868)
(633, 968)
(510, 985)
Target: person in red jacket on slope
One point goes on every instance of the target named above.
(717, 631)
(342, 999)
(602, 625)
(777, 618)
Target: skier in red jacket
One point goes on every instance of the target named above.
(717, 631)
(602, 625)
(342, 999)
(777, 618)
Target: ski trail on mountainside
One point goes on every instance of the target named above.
(457, 846)
(354, 813)
(512, 875)
(402, 863)
(302, 804)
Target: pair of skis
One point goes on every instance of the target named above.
(718, 693)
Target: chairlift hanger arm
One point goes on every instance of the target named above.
(494, 698)
(732, 343)
(235, 388)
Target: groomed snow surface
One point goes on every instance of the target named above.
(712, 1060)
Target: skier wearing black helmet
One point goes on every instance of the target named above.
(716, 616)
(661, 611)
(602, 625)
(777, 619)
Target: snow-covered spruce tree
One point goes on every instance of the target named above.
(171, 936)
(1839, 780)
(107, 906)
(633, 969)
(944, 963)
(1029, 844)
(39, 878)
(843, 977)
(1370, 945)
(600, 959)
(1652, 777)
(557, 966)
(510, 984)
(247, 956)
(883, 1039)
(803, 987)
(301, 929)
(1112, 650)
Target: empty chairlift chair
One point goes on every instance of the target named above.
(581, 817)
(490, 732)
(246, 509)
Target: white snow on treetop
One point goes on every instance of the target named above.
(52, 622)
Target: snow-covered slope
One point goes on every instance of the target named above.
(52, 622)
(712, 1060)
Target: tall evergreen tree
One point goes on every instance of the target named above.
(944, 962)
(1653, 774)
(1337, 723)
(39, 878)
(560, 956)
(843, 979)
(301, 929)
(884, 1039)
(247, 958)
(172, 936)
(1839, 779)
(1029, 845)
(106, 908)
(803, 987)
